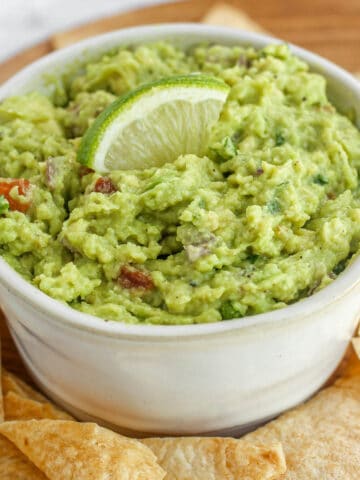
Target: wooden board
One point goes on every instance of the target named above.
(328, 27)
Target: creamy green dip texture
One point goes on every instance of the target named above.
(269, 216)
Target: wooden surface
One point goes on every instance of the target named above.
(328, 27)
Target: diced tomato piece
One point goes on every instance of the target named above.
(133, 278)
(105, 185)
(6, 185)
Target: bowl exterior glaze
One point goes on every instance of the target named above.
(223, 383)
(222, 378)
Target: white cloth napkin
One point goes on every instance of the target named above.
(26, 22)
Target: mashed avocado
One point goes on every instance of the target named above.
(270, 215)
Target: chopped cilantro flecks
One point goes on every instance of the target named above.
(252, 257)
(229, 147)
(225, 149)
(321, 179)
(4, 205)
(279, 139)
(274, 206)
(202, 203)
(228, 311)
(340, 267)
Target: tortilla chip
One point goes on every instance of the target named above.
(1, 404)
(20, 408)
(14, 465)
(321, 438)
(205, 458)
(21, 402)
(356, 345)
(70, 450)
(12, 383)
(229, 16)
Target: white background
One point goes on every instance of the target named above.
(24, 22)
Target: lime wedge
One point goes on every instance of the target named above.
(154, 124)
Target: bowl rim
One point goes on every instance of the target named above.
(56, 311)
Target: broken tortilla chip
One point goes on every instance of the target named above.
(356, 345)
(230, 16)
(14, 465)
(22, 402)
(321, 438)
(20, 408)
(12, 383)
(1, 396)
(1, 405)
(66, 450)
(205, 458)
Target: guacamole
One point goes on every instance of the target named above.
(269, 216)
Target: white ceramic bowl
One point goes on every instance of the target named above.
(214, 378)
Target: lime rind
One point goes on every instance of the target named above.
(98, 148)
